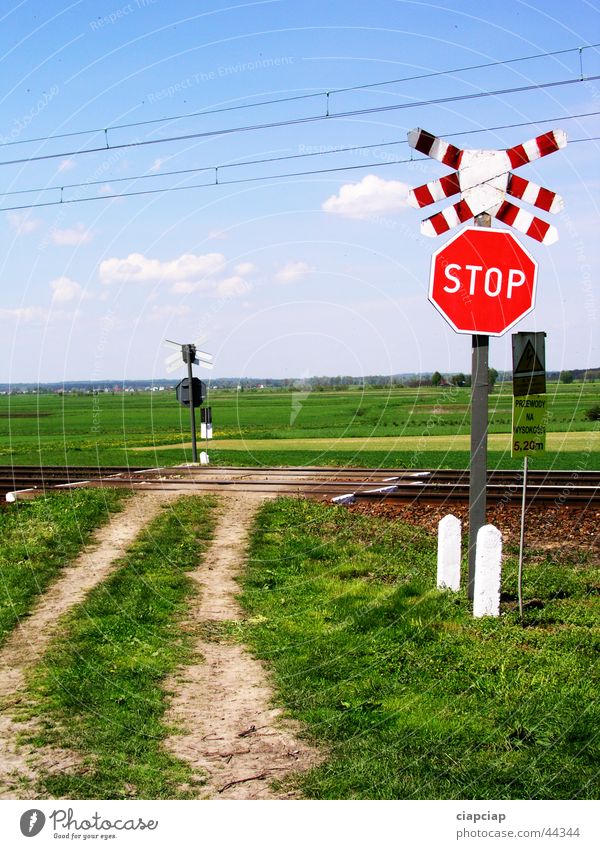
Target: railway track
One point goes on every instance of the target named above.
(342, 485)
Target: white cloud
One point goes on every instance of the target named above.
(77, 235)
(184, 287)
(64, 289)
(22, 223)
(169, 311)
(38, 315)
(26, 314)
(185, 274)
(233, 287)
(67, 165)
(369, 198)
(293, 271)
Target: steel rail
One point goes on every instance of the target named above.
(315, 470)
(448, 485)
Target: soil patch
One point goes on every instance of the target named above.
(547, 527)
(231, 731)
(19, 764)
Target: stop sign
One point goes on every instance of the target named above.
(483, 281)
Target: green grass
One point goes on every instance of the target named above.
(423, 459)
(98, 690)
(38, 538)
(412, 697)
(103, 428)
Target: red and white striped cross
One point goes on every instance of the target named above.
(483, 178)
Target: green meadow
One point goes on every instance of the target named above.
(409, 695)
(396, 426)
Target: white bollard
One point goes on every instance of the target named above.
(488, 571)
(448, 558)
(204, 458)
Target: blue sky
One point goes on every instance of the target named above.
(322, 273)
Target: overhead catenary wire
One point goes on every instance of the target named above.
(287, 157)
(295, 121)
(216, 182)
(323, 94)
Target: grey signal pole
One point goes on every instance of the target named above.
(189, 353)
(479, 431)
(192, 415)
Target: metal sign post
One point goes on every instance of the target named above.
(491, 288)
(479, 432)
(528, 418)
(189, 357)
(522, 538)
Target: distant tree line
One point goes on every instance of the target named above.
(293, 384)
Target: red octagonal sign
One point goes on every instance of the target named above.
(483, 281)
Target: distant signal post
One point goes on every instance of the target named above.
(190, 391)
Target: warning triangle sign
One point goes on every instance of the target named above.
(529, 361)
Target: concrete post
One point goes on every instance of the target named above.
(488, 571)
(448, 559)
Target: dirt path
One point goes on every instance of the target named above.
(28, 642)
(231, 732)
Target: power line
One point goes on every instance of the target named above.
(326, 94)
(297, 121)
(203, 185)
(216, 182)
(287, 157)
(468, 68)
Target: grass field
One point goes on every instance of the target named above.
(577, 441)
(98, 692)
(400, 426)
(38, 538)
(413, 698)
(407, 695)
